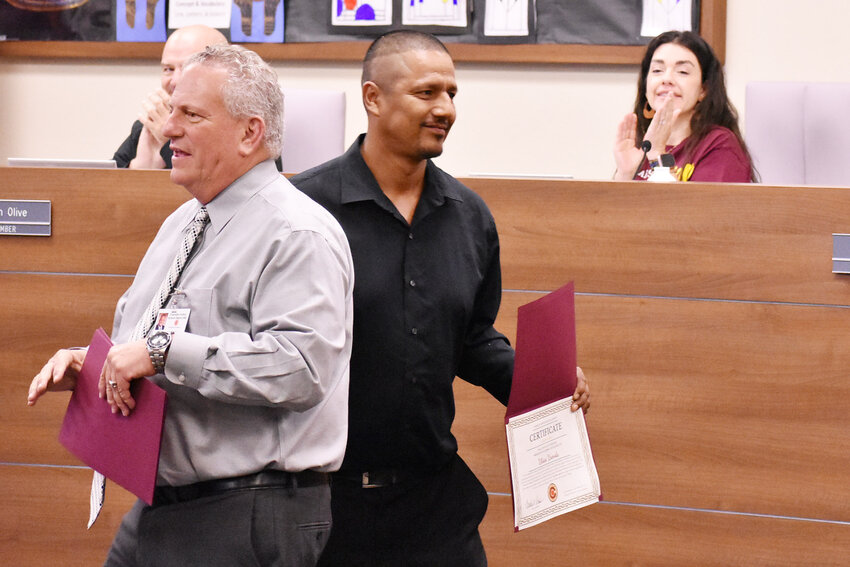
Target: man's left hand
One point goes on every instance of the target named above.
(581, 397)
(124, 363)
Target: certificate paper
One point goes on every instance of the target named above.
(552, 468)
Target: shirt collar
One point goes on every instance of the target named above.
(360, 185)
(224, 205)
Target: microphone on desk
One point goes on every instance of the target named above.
(662, 170)
(646, 145)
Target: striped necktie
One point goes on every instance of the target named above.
(167, 285)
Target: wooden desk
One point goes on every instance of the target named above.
(710, 327)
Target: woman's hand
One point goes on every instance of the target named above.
(626, 155)
(659, 130)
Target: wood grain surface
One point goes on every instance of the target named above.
(709, 324)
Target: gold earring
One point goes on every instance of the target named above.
(648, 113)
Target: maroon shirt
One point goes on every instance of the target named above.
(717, 157)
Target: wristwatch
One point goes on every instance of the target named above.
(158, 343)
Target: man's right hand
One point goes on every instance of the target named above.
(155, 111)
(60, 373)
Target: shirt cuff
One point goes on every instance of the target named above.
(186, 357)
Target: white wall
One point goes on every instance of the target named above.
(541, 119)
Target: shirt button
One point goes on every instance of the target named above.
(182, 378)
(410, 235)
(412, 283)
(414, 331)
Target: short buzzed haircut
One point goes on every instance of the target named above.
(398, 41)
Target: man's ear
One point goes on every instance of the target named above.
(252, 135)
(371, 96)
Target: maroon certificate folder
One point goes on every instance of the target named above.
(123, 449)
(545, 360)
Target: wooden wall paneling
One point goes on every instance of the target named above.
(608, 237)
(34, 531)
(687, 240)
(103, 220)
(700, 406)
(616, 535)
(720, 405)
(45, 511)
(43, 313)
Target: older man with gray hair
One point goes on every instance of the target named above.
(257, 383)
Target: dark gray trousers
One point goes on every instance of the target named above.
(269, 527)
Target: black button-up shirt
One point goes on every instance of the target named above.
(425, 298)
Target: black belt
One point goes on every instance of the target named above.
(264, 479)
(377, 478)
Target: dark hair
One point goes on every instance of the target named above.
(713, 110)
(398, 41)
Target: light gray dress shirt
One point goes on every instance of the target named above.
(260, 377)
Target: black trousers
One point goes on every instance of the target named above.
(430, 521)
(279, 527)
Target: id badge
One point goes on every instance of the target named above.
(172, 320)
(175, 316)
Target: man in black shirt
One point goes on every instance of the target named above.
(427, 290)
(146, 147)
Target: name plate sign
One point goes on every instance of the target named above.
(24, 218)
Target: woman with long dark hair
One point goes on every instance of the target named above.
(682, 109)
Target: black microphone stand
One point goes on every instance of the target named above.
(646, 145)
